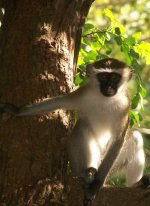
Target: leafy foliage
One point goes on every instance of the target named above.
(113, 41)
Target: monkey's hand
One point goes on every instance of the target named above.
(9, 108)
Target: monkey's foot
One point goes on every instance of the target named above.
(90, 174)
(91, 190)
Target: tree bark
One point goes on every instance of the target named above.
(111, 196)
(39, 45)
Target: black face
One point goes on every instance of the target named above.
(108, 82)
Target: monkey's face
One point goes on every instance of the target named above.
(109, 74)
(108, 83)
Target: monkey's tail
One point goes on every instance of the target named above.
(143, 182)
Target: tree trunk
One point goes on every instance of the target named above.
(39, 45)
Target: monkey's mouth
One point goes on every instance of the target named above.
(109, 92)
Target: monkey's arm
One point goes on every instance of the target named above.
(65, 102)
(106, 165)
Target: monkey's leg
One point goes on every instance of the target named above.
(90, 175)
(102, 172)
(84, 154)
(106, 165)
(131, 158)
(136, 158)
(83, 151)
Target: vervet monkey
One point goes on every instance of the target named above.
(101, 139)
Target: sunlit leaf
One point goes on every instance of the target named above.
(92, 55)
(107, 35)
(137, 35)
(78, 79)
(134, 117)
(129, 41)
(88, 48)
(143, 49)
(142, 91)
(109, 14)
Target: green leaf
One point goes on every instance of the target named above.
(143, 49)
(95, 38)
(79, 79)
(92, 55)
(142, 91)
(88, 26)
(134, 54)
(117, 31)
(109, 14)
(107, 49)
(95, 45)
(131, 121)
(125, 51)
(140, 117)
(118, 40)
(101, 38)
(134, 115)
(135, 101)
(136, 65)
(137, 35)
(120, 26)
(107, 36)
(129, 41)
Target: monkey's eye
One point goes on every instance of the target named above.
(115, 77)
(102, 76)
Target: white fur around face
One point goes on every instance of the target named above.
(125, 74)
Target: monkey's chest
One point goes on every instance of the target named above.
(99, 115)
(103, 123)
(103, 116)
